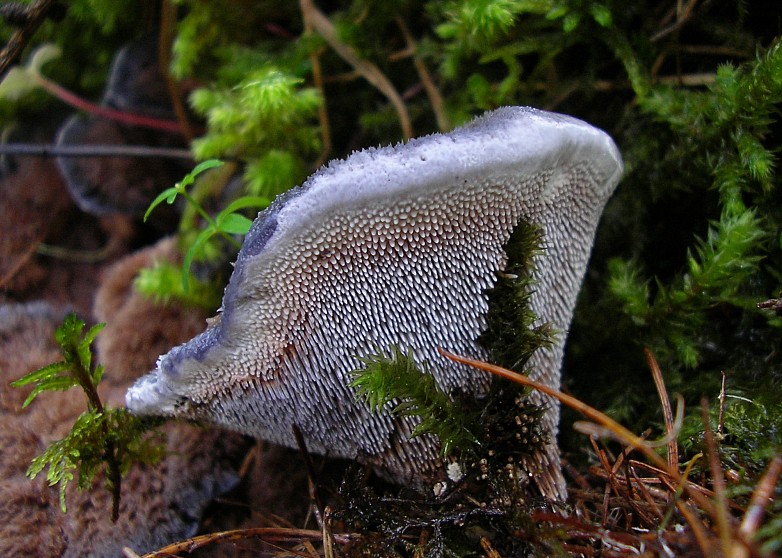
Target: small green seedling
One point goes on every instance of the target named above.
(226, 223)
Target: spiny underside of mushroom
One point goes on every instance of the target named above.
(393, 247)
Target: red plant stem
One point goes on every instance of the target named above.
(133, 119)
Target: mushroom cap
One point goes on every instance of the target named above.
(395, 246)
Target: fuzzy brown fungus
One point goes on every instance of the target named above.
(395, 246)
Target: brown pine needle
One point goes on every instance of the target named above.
(761, 497)
(264, 533)
(659, 383)
(620, 433)
(718, 483)
(721, 420)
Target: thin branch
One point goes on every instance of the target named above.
(763, 494)
(771, 304)
(686, 80)
(310, 468)
(71, 255)
(713, 50)
(317, 78)
(87, 150)
(20, 262)
(264, 533)
(36, 14)
(717, 481)
(618, 431)
(327, 535)
(368, 71)
(435, 99)
(721, 419)
(165, 40)
(683, 14)
(609, 424)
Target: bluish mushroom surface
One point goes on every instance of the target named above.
(395, 246)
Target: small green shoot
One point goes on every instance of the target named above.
(169, 194)
(100, 438)
(226, 223)
(74, 371)
(21, 80)
(398, 377)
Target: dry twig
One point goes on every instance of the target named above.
(35, 15)
(659, 383)
(435, 99)
(317, 78)
(760, 499)
(368, 71)
(267, 534)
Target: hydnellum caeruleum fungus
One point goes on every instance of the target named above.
(393, 247)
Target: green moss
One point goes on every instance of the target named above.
(488, 437)
(101, 439)
(511, 337)
(397, 378)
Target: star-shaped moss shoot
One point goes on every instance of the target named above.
(396, 247)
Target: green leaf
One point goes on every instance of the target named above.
(244, 202)
(234, 223)
(67, 335)
(601, 15)
(41, 373)
(168, 195)
(570, 22)
(557, 12)
(92, 333)
(84, 350)
(204, 166)
(58, 383)
(97, 374)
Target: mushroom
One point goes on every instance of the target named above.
(392, 247)
(122, 185)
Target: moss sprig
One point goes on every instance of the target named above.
(717, 271)
(101, 438)
(397, 378)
